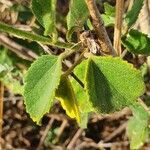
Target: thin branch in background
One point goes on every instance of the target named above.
(144, 105)
(98, 25)
(61, 130)
(118, 26)
(116, 132)
(46, 49)
(1, 109)
(48, 127)
(74, 139)
(7, 3)
(21, 51)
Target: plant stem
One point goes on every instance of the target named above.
(98, 25)
(65, 67)
(118, 26)
(1, 107)
(74, 48)
(34, 37)
(79, 60)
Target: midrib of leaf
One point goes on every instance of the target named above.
(44, 75)
(42, 96)
(31, 108)
(112, 86)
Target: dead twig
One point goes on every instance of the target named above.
(74, 139)
(61, 129)
(45, 133)
(116, 132)
(98, 25)
(111, 145)
(144, 105)
(7, 3)
(58, 117)
(85, 145)
(118, 26)
(111, 117)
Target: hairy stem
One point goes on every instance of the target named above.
(118, 26)
(74, 49)
(34, 37)
(98, 25)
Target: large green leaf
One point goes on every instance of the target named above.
(78, 13)
(137, 128)
(41, 83)
(66, 95)
(112, 83)
(45, 12)
(137, 42)
(133, 14)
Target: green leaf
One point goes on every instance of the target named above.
(4, 57)
(109, 10)
(84, 104)
(78, 13)
(45, 12)
(133, 14)
(137, 128)
(41, 82)
(66, 95)
(112, 83)
(109, 15)
(137, 42)
(5, 62)
(108, 20)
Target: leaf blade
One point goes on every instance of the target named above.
(67, 98)
(106, 82)
(81, 95)
(41, 82)
(109, 15)
(137, 128)
(78, 13)
(45, 12)
(133, 14)
(137, 42)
